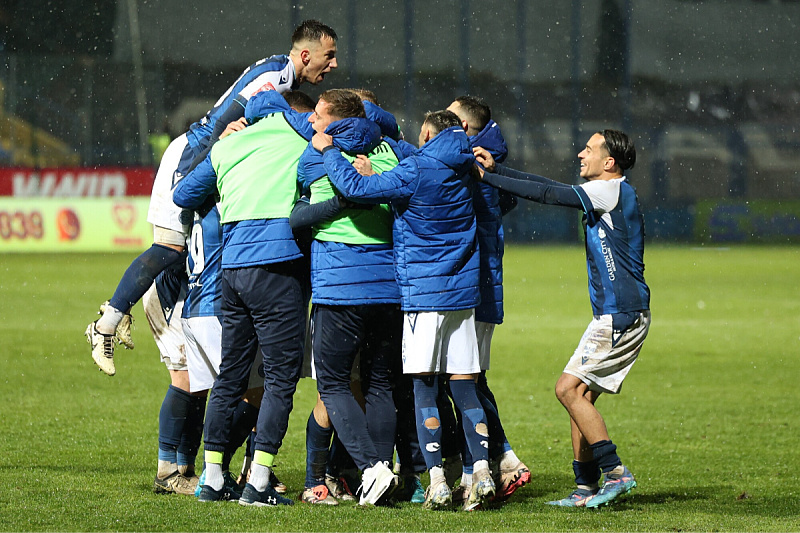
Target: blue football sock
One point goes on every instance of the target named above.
(475, 428)
(192, 431)
(140, 275)
(497, 435)
(484, 394)
(466, 456)
(586, 473)
(430, 438)
(171, 421)
(318, 440)
(605, 454)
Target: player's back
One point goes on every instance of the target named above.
(204, 265)
(615, 253)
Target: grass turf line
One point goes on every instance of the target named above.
(706, 419)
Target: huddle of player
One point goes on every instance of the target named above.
(281, 201)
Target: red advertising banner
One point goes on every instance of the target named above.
(97, 182)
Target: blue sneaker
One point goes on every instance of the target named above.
(418, 496)
(615, 485)
(208, 494)
(266, 498)
(410, 489)
(229, 489)
(578, 498)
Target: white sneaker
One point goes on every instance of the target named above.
(175, 483)
(102, 349)
(482, 491)
(123, 332)
(376, 482)
(438, 497)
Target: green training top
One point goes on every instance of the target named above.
(257, 170)
(357, 226)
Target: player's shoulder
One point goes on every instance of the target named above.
(602, 186)
(276, 62)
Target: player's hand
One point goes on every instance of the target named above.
(320, 141)
(477, 172)
(236, 125)
(484, 158)
(363, 165)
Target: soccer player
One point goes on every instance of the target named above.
(437, 267)
(355, 300)
(620, 300)
(312, 56)
(490, 206)
(264, 284)
(180, 420)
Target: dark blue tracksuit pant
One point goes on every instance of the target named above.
(263, 311)
(339, 333)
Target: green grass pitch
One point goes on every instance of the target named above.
(707, 419)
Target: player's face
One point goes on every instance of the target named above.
(321, 117)
(321, 60)
(594, 158)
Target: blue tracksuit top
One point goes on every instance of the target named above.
(341, 273)
(436, 255)
(490, 229)
(249, 242)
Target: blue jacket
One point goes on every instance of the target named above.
(348, 274)
(257, 241)
(383, 119)
(435, 233)
(490, 229)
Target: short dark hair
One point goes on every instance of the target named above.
(620, 147)
(312, 30)
(478, 111)
(299, 101)
(441, 120)
(344, 103)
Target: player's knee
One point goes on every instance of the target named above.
(563, 392)
(432, 423)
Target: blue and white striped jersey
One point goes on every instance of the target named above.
(204, 267)
(614, 246)
(273, 73)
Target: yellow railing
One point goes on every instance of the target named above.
(30, 146)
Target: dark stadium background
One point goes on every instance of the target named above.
(708, 88)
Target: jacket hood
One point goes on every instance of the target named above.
(351, 135)
(355, 135)
(451, 147)
(263, 103)
(491, 139)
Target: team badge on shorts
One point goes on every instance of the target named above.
(412, 320)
